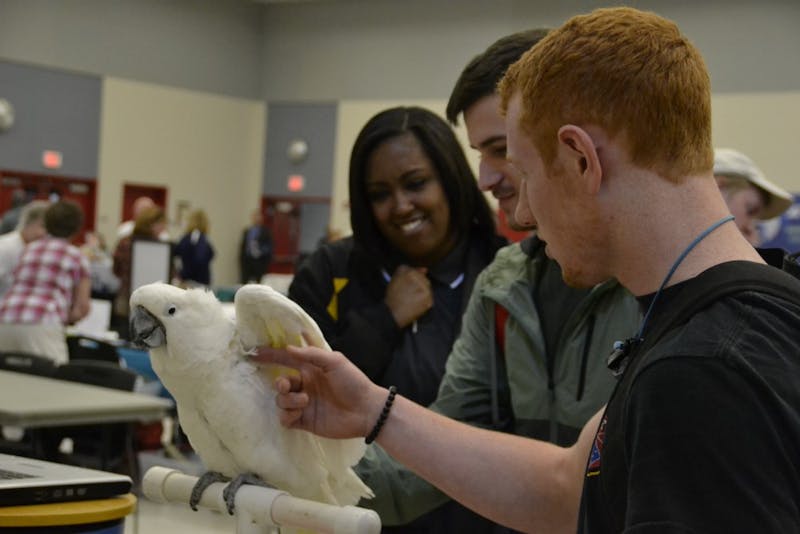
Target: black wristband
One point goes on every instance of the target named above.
(384, 414)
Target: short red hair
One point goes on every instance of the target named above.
(628, 71)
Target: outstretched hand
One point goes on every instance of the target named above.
(330, 397)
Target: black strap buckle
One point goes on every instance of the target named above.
(618, 360)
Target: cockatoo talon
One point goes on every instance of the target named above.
(205, 480)
(229, 493)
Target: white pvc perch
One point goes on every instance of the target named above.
(261, 510)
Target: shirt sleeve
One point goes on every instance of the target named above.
(706, 452)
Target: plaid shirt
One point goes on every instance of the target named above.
(44, 282)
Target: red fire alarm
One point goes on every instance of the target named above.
(296, 183)
(51, 159)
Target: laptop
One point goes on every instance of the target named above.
(26, 481)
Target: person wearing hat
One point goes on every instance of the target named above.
(750, 196)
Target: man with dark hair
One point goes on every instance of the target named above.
(530, 359)
(255, 249)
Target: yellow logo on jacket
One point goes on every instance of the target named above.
(333, 305)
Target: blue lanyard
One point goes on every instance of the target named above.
(622, 348)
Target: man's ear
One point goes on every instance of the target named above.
(578, 150)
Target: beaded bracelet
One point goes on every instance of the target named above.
(384, 414)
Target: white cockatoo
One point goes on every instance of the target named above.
(226, 403)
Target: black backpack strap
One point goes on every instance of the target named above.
(791, 264)
(747, 276)
(777, 257)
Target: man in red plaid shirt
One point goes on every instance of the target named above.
(51, 288)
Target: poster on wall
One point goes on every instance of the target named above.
(784, 231)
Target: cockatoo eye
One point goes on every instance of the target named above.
(171, 310)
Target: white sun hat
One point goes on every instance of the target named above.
(732, 163)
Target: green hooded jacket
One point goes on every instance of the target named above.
(512, 390)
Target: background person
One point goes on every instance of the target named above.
(51, 288)
(530, 358)
(149, 224)
(101, 266)
(194, 251)
(141, 204)
(255, 251)
(750, 196)
(29, 229)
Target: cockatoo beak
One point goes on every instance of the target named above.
(146, 330)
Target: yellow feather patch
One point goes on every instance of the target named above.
(279, 339)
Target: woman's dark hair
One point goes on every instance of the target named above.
(469, 211)
(63, 218)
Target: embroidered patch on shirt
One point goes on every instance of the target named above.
(593, 468)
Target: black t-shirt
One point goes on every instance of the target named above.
(703, 431)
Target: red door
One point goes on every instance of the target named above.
(282, 217)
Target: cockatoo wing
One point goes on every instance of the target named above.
(266, 317)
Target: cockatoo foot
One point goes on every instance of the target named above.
(229, 493)
(205, 480)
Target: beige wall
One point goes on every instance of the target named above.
(763, 126)
(206, 149)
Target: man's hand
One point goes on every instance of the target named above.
(331, 397)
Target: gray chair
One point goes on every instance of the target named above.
(107, 446)
(31, 364)
(88, 348)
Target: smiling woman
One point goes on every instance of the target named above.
(408, 201)
(391, 297)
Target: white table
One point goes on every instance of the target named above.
(31, 401)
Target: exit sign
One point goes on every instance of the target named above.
(51, 159)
